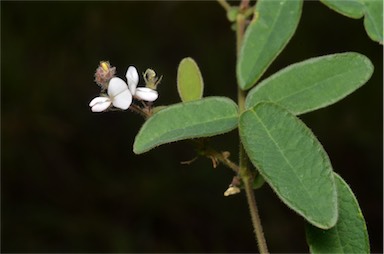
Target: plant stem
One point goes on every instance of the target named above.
(244, 4)
(223, 158)
(245, 172)
(138, 110)
(255, 214)
(224, 4)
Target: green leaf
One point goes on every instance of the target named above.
(273, 26)
(292, 162)
(189, 80)
(373, 20)
(158, 108)
(202, 118)
(349, 8)
(349, 235)
(314, 83)
(372, 10)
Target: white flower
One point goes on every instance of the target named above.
(142, 93)
(120, 94)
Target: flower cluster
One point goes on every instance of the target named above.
(119, 93)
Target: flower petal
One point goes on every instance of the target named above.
(116, 86)
(98, 100)
(123, 100)
(232, 190)
(146, 94)
(99, 104)
(132, 78)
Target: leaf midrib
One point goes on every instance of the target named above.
(283, 155)
(189, 126)
(315, 84)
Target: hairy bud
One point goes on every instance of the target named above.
(104, 73)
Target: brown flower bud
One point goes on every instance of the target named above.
(104, 73)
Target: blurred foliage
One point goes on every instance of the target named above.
(70, 181)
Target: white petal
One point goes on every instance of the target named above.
(132, 78)
(123, 100)
(98, 100)
(146, 94)
(232, 190)
(100, 104)
(116, 86)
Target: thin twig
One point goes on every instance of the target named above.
(224, 4)
(138, 110)
(223, 158)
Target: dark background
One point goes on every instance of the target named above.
(69, 179)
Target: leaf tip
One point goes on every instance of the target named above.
(136, 149)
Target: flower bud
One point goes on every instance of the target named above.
(151, 80)
(232, 190)
(104, 73)
(233, 187)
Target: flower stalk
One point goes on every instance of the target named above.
(224, 4)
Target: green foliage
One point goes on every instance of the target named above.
(202, 118)
(273, 26)
(314, 83)
(283, 149)
(373, 21)
(372, 10)
(349, 8)
(292, 162)
(189, 80)
(349, 235)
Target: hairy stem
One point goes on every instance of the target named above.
(255, 214)
(229, 163)
(140, 111)
(223, 158)
(245, 172)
